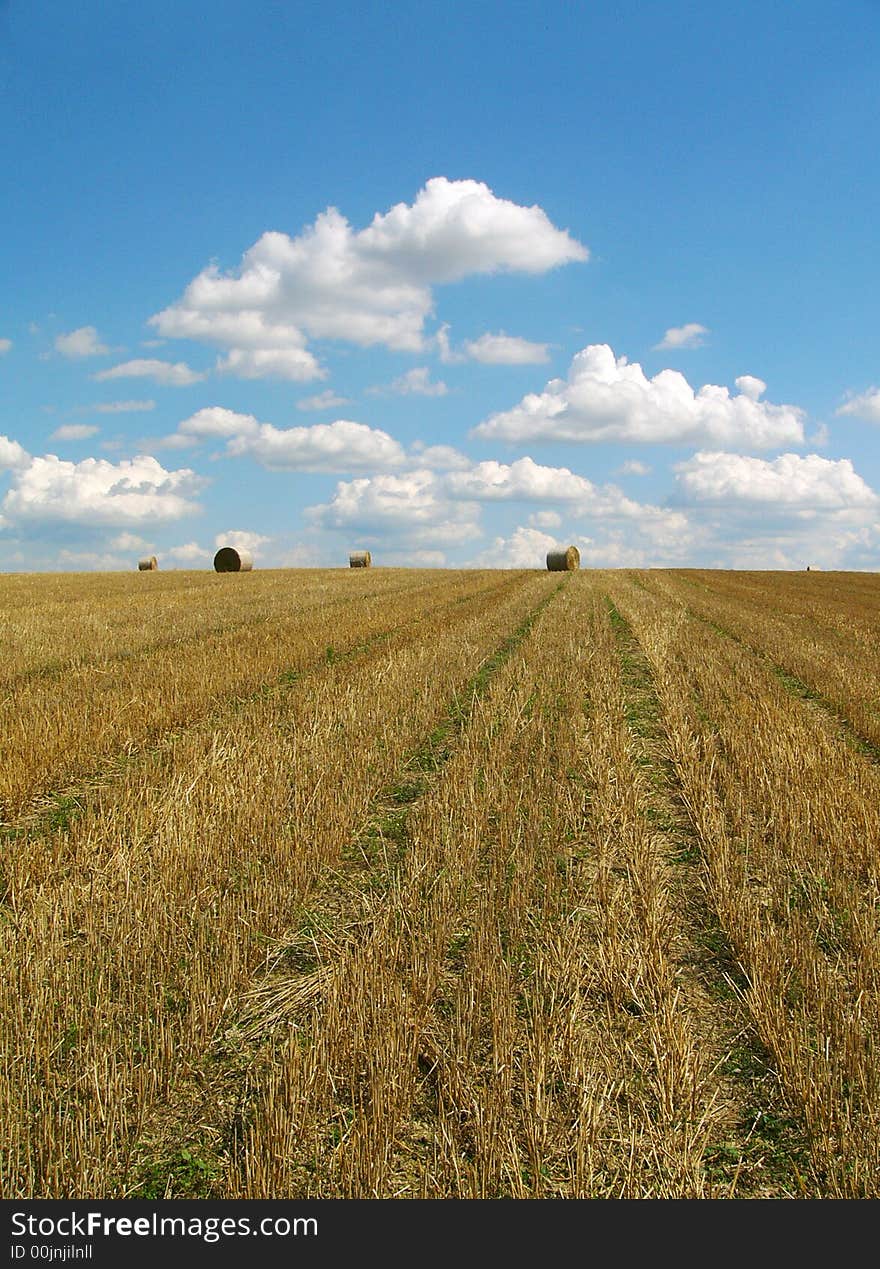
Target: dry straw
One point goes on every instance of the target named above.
(564, 561)
(360, 559)
(230, 559)
(148, 564)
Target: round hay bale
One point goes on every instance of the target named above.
(232, 559)
(148, 564)
(360, 559)
(564, 561)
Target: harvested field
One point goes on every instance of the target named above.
(529, 885)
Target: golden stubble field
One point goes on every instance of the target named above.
(400, 883)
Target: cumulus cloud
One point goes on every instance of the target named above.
(616, 547)
(130, 542)
(215, 420)
(426, 559)
(413, 505)
(300, 555)
(528, 481)
(438, 457)
(367, 287)
(749, 535)
(328, 400)
(691, 335)
(632, 467)
(328, 447)
(525, 548)
(12, 456)
(545, 520)
(98, 492)
(89, 561)
(188, 553)
(525, 479)
(446, 502)
(751, 386)
(605, 398)
(457, 228)
(295, 364)
(791, 481)
(416, 382)
(864, 405)
(173, 375)
(5, 345)
(82, 342)
(74, 432)
(506, 350)
(242, 540)
(492, 349)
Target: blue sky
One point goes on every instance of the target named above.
(455, 283)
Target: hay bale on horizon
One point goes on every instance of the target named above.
(360, 559)
(232, 559)
(148, 564)
(564, 561)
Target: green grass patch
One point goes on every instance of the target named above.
(185, 1174)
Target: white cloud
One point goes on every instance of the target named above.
(426, 559)
(445, 503)
(838, 539)
(492, 349)
(188, 553)
(328, 400)
(341, 446)
(526, 480)
(525, 548)
(688, 336)
(327, 447)
(131, 542)
(301, 555)
(447, 355)
(90, 561)
(751, 386)
(416, 382)
(367, 287)
(242, 540)
(122, 407)
(624, 546)
(865, 405)
(413, 505)
(12, 456)
(545, 520)
(295, 364)
(632, 467)
(438, 457)
(506, 350)
(83, 342)
(605, 398)
(5, 345)
(215, 420)
(74, 432)
(790, 482)
(97, 492)
(457, 228)
(174, 375)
